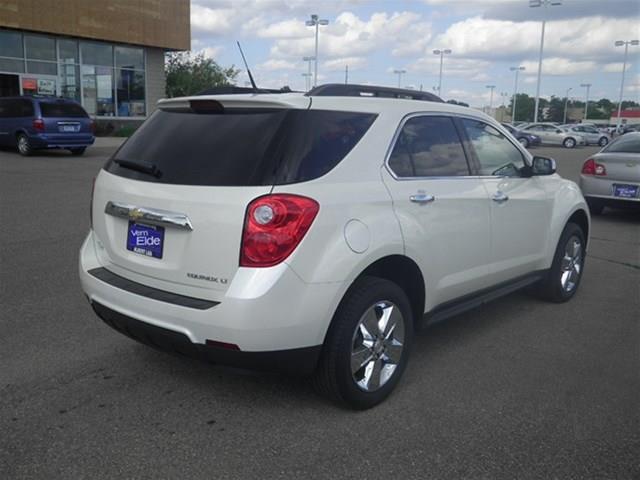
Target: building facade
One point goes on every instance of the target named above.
(107, 55)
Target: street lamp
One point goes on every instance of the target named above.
(515, 92)
(399, 73)
(586, 99)
(545, 4)
(566, 101)
(308, 60)
(626, 44)
(491, 87)
(316, 22)
(442, 53)
(307, 81)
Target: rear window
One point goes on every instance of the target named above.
(62, 109)
(625, 144)
(239, 147)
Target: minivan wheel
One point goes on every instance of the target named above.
(78, 151)
(24, 147)
(524, 141)
(563, 278)
(367, 346)
(603, 141)
(569, 142)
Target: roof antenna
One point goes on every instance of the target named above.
(253, 83)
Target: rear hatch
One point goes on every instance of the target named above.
(177, 191)
(64, 118)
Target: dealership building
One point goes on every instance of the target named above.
(107, 54)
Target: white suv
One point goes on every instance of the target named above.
(315, 233)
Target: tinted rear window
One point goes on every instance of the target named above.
(62, 110)
(240, 147)
(630, 144)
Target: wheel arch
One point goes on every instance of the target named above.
(581, 218)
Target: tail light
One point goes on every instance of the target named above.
(38, 124)
(274, 225)
(591, 167)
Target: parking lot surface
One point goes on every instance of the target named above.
(517, 389)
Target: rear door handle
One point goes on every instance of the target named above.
(500, 197)
(422, 198)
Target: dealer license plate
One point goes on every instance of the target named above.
(145, 239)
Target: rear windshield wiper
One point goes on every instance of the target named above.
(143, 167)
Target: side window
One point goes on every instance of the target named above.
(4, 108)
(23, 108)
(428, 147)
(496, 154)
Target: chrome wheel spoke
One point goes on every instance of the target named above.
(372, 375)
(360, 358)
(369, 325)
(393, 352)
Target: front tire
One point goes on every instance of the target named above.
(24, 147)
(569, 142)
(603, 141)
(367, 346)
(524, 141)
(563, 279)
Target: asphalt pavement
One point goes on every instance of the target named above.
(519, 388)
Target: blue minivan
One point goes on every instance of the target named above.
(32, 123)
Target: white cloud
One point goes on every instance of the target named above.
(339, 63)
(559, 66)
(277, 64)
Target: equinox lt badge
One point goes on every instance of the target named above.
(208, 278)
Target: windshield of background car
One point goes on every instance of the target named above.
(62, 109)
(240, 147)
(624, 145)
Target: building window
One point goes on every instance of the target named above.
(70, 81)
(68, 51)
(40, 47)
(132, 58)
(45, 68)
(11, 44)
(97, 86)
(11, 65)
(97, 54)
(131, 94)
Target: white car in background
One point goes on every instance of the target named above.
(592, 136)
(551, 134)
(315, 233)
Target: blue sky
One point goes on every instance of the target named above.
(374, 37)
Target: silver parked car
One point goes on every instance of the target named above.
(592, 136)
(612, 176)
(551, 134)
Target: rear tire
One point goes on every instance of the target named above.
(77, 151)
(569, 143)
(24, 147)
(563, 278)
(367, 347)
(595, 206)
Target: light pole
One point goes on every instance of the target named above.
(308, 60)
(442, 53)
(626, 44)
(586, 99)
(399, 73)
(307, 80)
(491, 87)
(566, 102)
(515, 92)
(316, 22)
(545, 4)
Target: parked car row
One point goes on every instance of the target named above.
(32, 123)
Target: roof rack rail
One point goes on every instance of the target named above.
(354, 90)
(235, 90)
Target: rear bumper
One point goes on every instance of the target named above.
(70, 140)
(602, 189)
(299, 361)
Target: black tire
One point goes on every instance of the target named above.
(24, 146)
(524, 141)
(595, 206)
(569, 143)
(77, 151)
(551, 287)
(334, 377)
(603, 141)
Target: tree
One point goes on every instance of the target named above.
(555, 112)
(189, 74)
(525, 106)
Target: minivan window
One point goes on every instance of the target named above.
(239, 147)
(428, 146)
(16, 107)
(62, 109)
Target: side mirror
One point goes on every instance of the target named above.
(543, 166)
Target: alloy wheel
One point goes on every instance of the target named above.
(571, 266)
(23, 145)
(377, 346)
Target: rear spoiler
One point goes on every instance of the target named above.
(217, 103)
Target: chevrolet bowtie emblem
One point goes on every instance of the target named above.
(135, 214)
